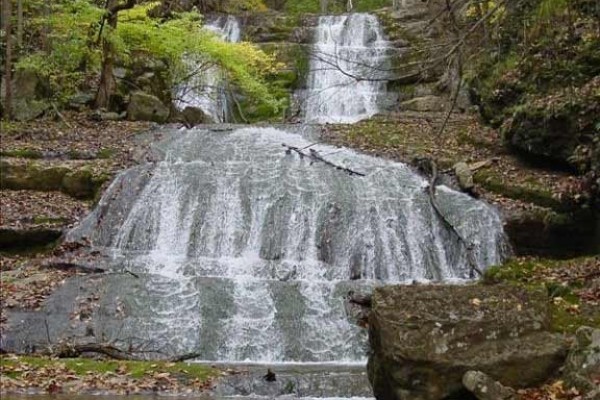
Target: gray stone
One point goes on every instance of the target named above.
(194, 116)
(28, 94)
(464, 175)
(27, 110)
(145, 107)
(583, 362)
(486, 388)
(81, 100)
(425, 338)
(120, 73)
(423, 104)
(111, 116)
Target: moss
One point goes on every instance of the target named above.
(136, 369)
(106, 153)
(567, 313)
(48, 220)
(22, 153)
(29, 241)
(528, 192)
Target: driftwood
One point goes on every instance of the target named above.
(468, 247)
(314, 155)
(72, 351)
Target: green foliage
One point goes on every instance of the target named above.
(237, 6)
(334, 6)
(75, 56)
(66, 64)
(540, 84)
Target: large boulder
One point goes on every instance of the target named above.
(425, 338)
(145, 107)
(29, 95)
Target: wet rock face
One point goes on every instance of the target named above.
(425, 338)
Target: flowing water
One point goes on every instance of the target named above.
(348, 69)
(237, 248)
(207, 89)
(247, 250)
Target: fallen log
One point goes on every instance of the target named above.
(77, 350)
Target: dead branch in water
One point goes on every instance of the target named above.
(314, 155)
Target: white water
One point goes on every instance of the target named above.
(251, 250)
(207, 89)
(348, 67)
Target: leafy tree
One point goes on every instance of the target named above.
(85, 41)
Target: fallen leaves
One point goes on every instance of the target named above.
(553, 391)
(55, 376)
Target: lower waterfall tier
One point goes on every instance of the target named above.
(245, 250)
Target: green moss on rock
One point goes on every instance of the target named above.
(78, 181)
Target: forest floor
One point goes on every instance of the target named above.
(501, 177)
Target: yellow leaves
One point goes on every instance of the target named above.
(476, 302)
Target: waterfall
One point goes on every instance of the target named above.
(348, 67)
(206, 90)
(249, 250)
(234, 247)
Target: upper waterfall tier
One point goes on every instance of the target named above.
(207, 88)
(248, 249)
(348, 69)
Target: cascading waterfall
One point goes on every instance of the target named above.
(207, 90)
(238, 249)
(249, 249)
(348, 67)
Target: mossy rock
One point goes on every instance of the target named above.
(544, 232)
(77, 181)
(19, 240)
(529, 192)
(424, 338)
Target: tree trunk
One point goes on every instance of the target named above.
(20, 24)
(8, 60)
(108, 83)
